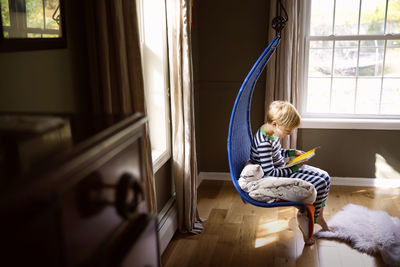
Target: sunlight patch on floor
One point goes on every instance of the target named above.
(265, 231)
(387, 176)
(260, 242)
(272, 227)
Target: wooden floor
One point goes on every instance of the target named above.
(237, 234)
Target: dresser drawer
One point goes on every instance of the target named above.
(144, 249)
(94, 208)
(136, 245)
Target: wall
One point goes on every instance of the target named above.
(228, 38)
(164, 185)
(47, 80)
(354, 153)
(230, 35)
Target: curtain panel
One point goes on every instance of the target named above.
(284, 79)
(184, 164)
(115, 69)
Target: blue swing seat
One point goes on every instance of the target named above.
(240, 134)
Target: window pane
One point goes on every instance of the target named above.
(371, 58)
(320, 58)
(46, 35)
(368, 93)
(321, 17)
(346, 17)
(34, 14)
(343, 90)
(390, 96)
(5, 12)
(154, 55)
(392, 59)
(318, 94)
(393, 17)
(321, 44)
(50, 9)
(345, 61)
(372, 16)
(34, 35)
(352, 75)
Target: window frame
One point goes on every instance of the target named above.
(340, 120)
(159, 155)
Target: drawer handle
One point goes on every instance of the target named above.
(126, 208)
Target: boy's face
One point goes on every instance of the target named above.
(282, 131)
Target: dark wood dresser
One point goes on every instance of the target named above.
(73, 192)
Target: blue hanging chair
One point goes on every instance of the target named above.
(240, 135)
(240, 138)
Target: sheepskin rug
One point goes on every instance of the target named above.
(370, 231)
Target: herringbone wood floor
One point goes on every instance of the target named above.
(237, 234)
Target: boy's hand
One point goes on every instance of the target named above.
(301, 164)
(298, 153)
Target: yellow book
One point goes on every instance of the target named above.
(302, 158)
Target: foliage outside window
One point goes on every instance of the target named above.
(353, 59)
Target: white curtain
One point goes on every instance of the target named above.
(284, 77)
(184, 164)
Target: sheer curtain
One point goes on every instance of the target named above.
(114, 63)
(184, 164)
(284, 78)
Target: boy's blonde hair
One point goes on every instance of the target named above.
(284, 113)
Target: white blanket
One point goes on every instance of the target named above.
(271, 189)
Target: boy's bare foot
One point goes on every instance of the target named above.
(310, 241)
(321, 221)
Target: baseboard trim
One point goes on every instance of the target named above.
(219, 176)
(345, 181)
(167, 223)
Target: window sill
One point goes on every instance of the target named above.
(159, 158)
(364, 124)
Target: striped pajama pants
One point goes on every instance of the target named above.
(321, 181)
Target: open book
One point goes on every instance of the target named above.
(304, 157)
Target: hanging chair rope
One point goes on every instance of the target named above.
(279, 22)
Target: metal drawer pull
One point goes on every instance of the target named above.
(126, 207)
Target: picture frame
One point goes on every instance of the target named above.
(32, 25)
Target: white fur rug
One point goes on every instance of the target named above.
(370, 231)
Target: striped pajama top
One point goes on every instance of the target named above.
(267, 151)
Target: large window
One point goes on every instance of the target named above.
(352, 59)
(152, 27)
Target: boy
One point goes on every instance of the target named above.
(266, 150)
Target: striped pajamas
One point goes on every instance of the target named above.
(267, 152)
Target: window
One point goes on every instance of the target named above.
(352, 59)
(152, 29)
(30, 18)
(32, 25)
